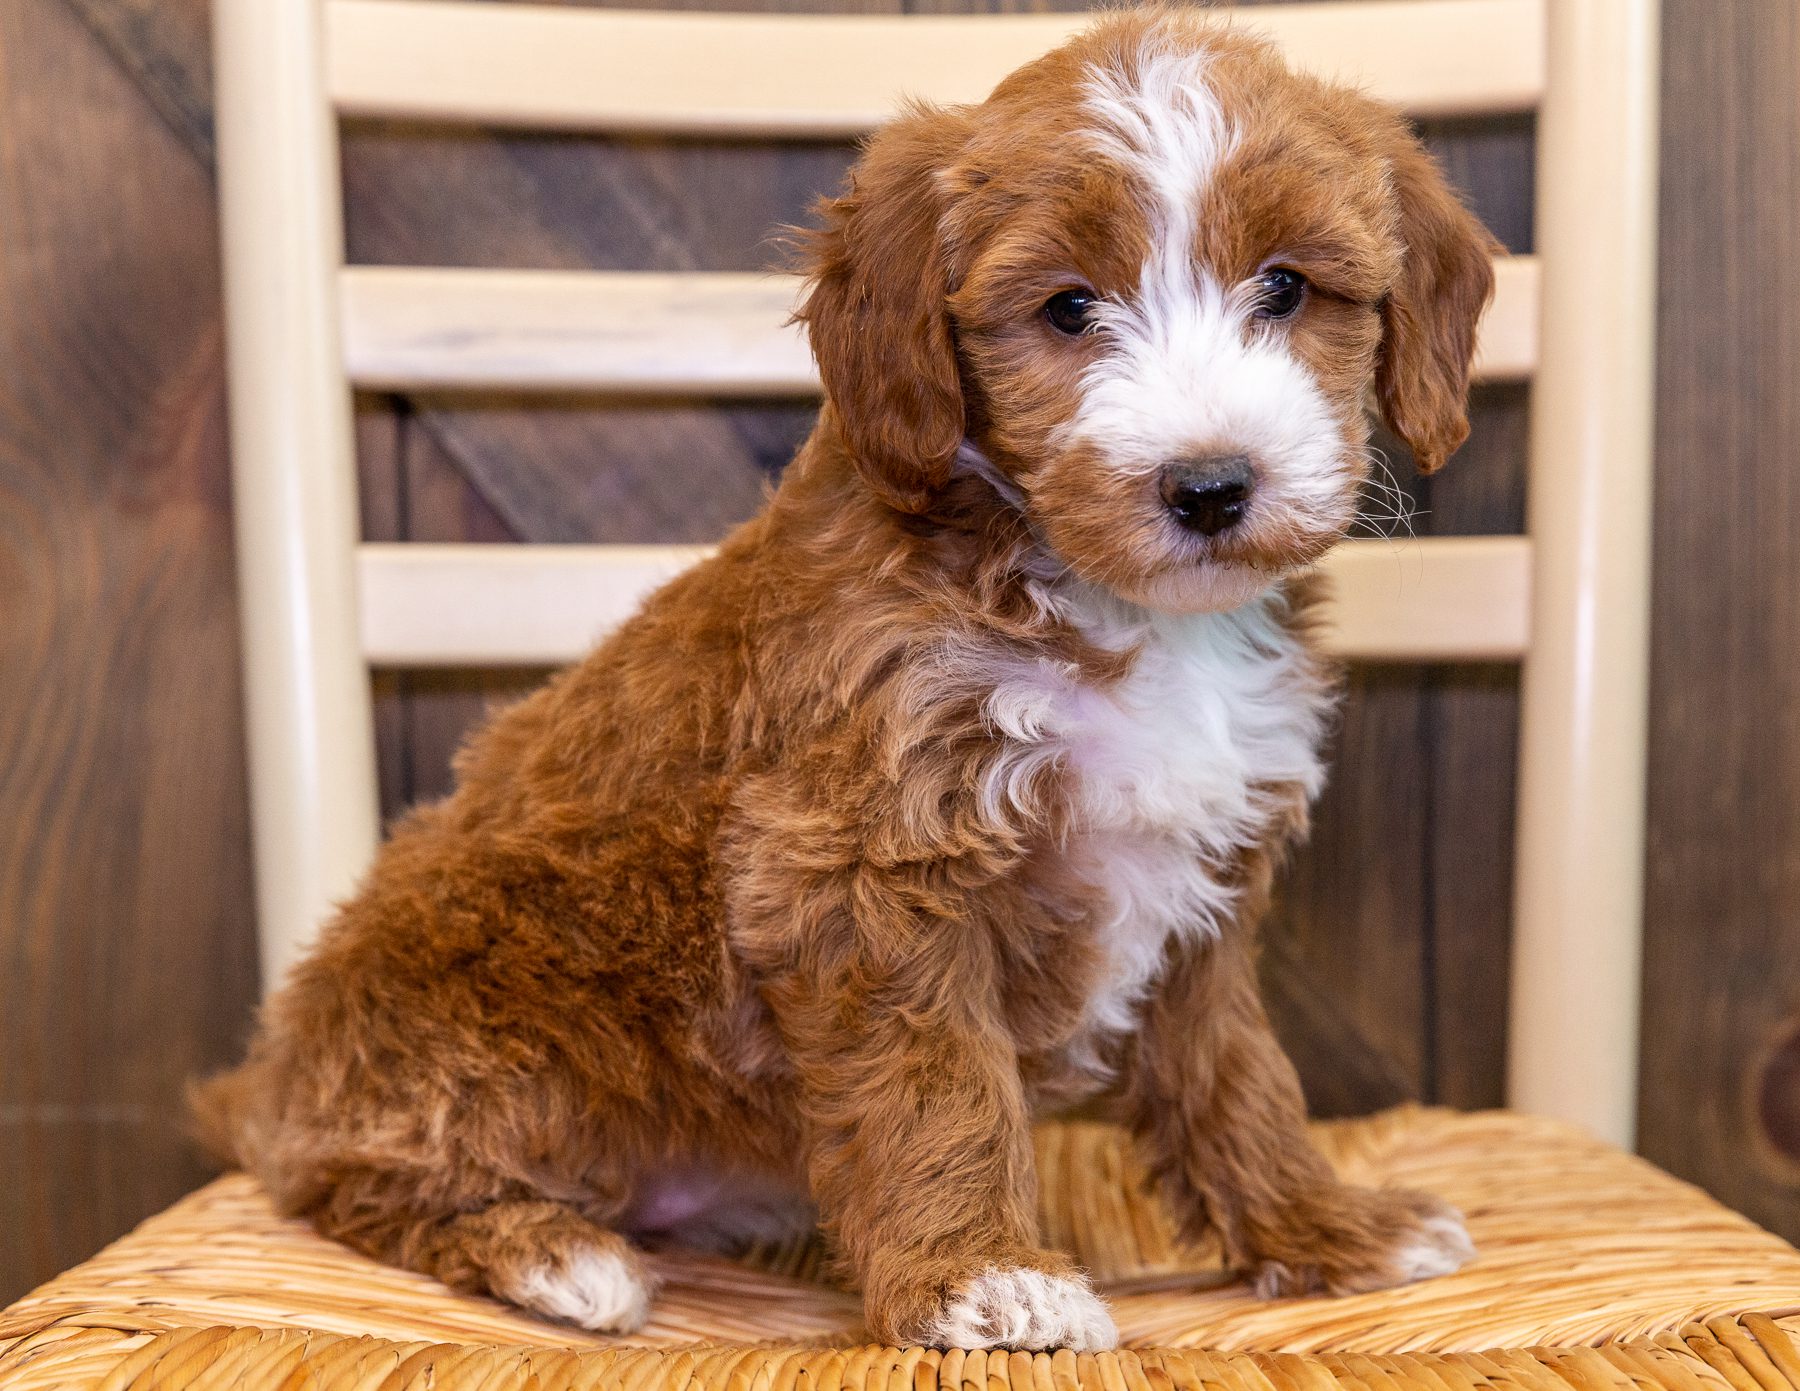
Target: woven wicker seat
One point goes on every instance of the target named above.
(1596, 1269)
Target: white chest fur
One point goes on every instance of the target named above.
(1173, 766)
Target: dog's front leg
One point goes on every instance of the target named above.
(921, 1157)
(1218, 1111)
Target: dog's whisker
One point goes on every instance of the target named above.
(1388, 524)
(1388, 509)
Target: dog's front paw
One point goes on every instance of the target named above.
(1360, 1239)
(1019, 1307)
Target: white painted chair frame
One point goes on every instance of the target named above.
(320, 606)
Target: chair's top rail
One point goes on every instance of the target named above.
(825, 76)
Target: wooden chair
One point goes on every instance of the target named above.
(1582, 1244)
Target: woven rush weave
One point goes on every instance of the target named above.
(1596, 1270)
(1754, 1353)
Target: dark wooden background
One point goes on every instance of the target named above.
(125, 916)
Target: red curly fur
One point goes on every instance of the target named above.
(773, 899)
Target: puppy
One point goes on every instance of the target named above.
(951, 789)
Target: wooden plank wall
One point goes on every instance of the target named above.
(124, 904)
(124, 874)
(1720, 1101)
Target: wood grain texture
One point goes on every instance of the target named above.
(124, 890)
(423, 714)
(1722, 948)
(162, 47)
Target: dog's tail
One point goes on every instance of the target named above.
(217, 1109)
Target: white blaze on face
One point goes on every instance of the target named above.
(1184, 371)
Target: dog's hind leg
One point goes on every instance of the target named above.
(548, 1258)
(542, 1255)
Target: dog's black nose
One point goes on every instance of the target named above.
(1208, 495)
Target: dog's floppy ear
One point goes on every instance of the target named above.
(1428, 320)
(876, 310)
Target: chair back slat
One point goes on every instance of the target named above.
(824, 76)
(696, 332)
(1443, 599)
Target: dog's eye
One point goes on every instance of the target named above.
(1070, 312)
(1279, 293)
